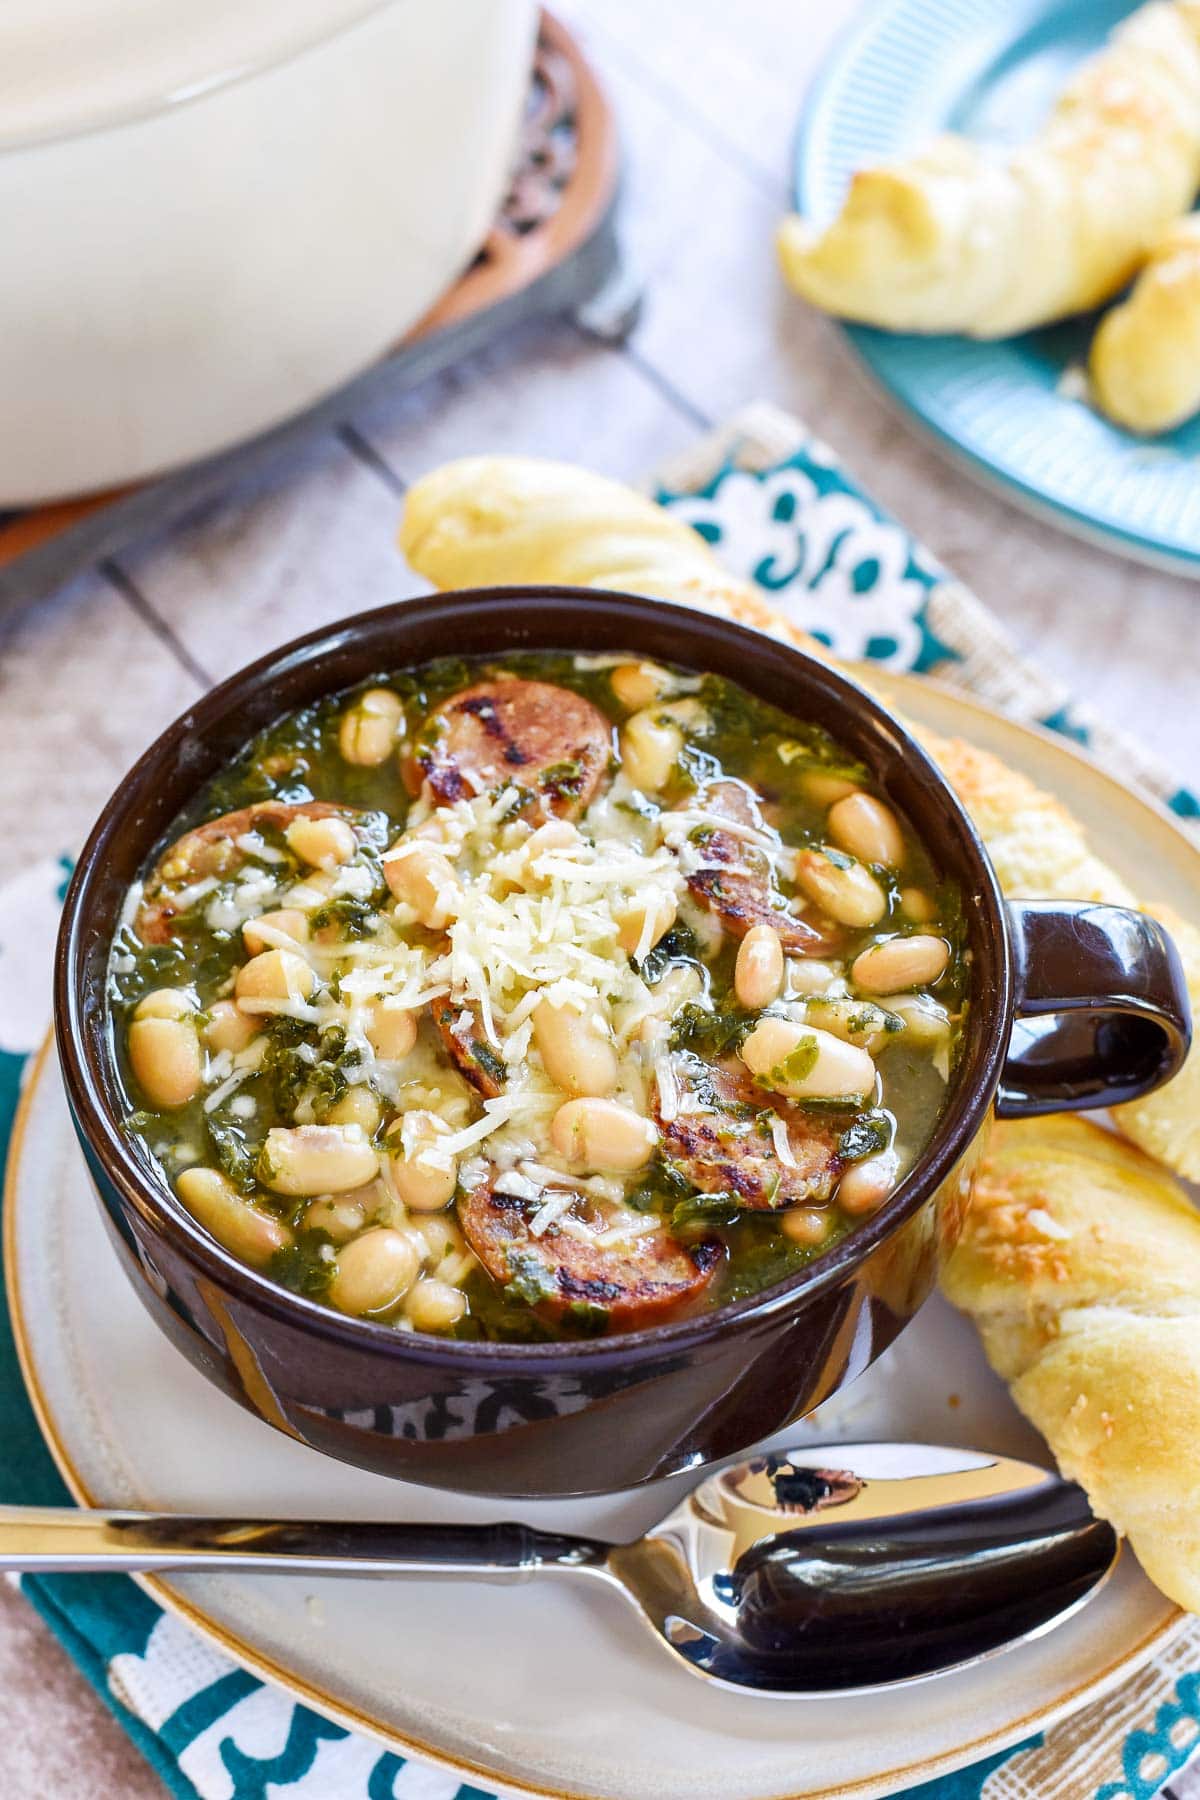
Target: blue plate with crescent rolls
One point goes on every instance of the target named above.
(1013, 412)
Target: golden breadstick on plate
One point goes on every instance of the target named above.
(487, 520)
(1167, 1122)
(1041, 853)
(495, 519)
(1145, 360)
(959, 239)
(1080, 1265)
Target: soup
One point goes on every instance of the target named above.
(541, 997)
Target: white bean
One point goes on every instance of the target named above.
(166, 1003)
(900, 963)
(323, 843)
(264, 933)
(866, 1185)
(650, 748)
(805, 1225)
(826, 790)
(845, 890)
(357, 1106)
(338, 1219)
(370, 727)
(391, 1032)
(758, 972)
(228, 1028)
(374, 1272)
(857, 1021)
(925, 1020)
(639, 684)
(434, 1305)
(424, 879)
(166, 1059)
(659, 907)
(440, 1235)
(916, 905)
(867, 829)
(805, 1063)
(273, 975)
(215, 1202)
(602, 1135)
(576, 1049)
(425, 1175)
(317, 1159)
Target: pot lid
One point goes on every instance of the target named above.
(68, 67)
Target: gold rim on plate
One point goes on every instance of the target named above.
(310, 1694)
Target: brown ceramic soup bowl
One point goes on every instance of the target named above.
(600, 1414)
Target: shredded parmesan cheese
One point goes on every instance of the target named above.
(187, 897)
(783, 1145)
(555, 1206)
(495, 1113)
(252, 845)
(668, 1087)
(518, 1185)
(227, 1087)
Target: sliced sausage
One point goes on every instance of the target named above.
(528, 734)
(734, 880)
(637, 1284)
(729, 1147)
(463, 1037)
(213, 849)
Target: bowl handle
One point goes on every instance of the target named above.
(1101, 1012)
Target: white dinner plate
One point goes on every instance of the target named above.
(541, 1688)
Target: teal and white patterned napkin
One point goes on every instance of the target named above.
(781, 511)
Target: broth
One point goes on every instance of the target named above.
(538, 997)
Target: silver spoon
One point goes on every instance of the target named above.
(830, 1568)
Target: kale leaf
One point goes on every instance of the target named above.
(235, 1156)
(870, 1133)
(300, 1070)
(677, 945)
(528, 1278)
(702, 1213)
(354, 918)
(301, 1266)
(662, 1185)
(710, 1033)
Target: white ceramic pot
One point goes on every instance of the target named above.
(215, 211)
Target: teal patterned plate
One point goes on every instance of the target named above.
(990, 68)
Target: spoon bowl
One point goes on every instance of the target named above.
(844, 1567)
(825, 1569)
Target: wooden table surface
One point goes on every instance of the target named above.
(706, 95)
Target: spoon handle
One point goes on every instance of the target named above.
(61, 1540)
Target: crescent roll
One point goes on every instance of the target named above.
(1166, 1123)
(1145, 359)
(959, 239)
(1080, 1265)
(1041, 852)
(494, 519)
(487, 520)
